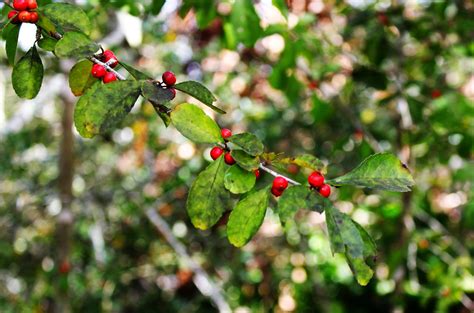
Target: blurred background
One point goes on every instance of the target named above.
(337, 79)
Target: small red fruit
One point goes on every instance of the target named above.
(13, 15)
(34, 17)
(316, 180)
(229, 159)
(169, 78)
(20, 5)
(383, 18)
(98, 71)
(277, 192)
(257, 173)
(280, 183)
(325, 190)
(216, 152)
(174, 92)
(31, 4)
(109, 77)
(226, 133)
(24, 16)
(110, 58)
(436, 93)
(64, 267)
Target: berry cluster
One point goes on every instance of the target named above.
(216, 152)
(100, 71)
(169, 79)
(23, 12)
(315, 180)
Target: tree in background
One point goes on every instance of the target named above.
(334, 80)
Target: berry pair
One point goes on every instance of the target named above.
(279, 185)
(316, 180)
(22, 13)
(99, 71)
(169, 79)
(216, 152)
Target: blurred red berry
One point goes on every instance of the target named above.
(325, 190)
(216, 152)
(109, 77)
(20, 5)
(383, 18)
(226, 133)
(31, 4)
(229, 159)
(173, 91)
(110, 58)
(280, 183)
(316, 180)
(277, 192)
(257, 173)
(436, 93)
(98, 71)
(169, 78)
(24, 16)
(34, 17)
(64, 267)
(13, 15)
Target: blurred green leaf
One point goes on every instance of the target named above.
(67, 16)
(381, 171)
(156, 6)
(138, 75)
(47, 43)
(11, 34)
(194, 124)
(27, 75)
(75, 44)
(247, 217)
(248, 142)
(306, 161)
(245, 22)
(104, 106)
(238, 180)
(205, 203)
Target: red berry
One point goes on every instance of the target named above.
(20, 5)
(24, 16)
(316, 180)
(98, 71)
(109, 77)
(436, 93)
(110, 58)
(257, 173)
(226, 133)
(169, 78)
(325, 190)
(34, 17)
(216, 152)
(13, 15)
(65, 267)
(280, 183)
(383, 18)
(277, 192)
(229, 159)
(174, 92)
(31, 4)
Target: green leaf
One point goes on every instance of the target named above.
(306, 161)
(370, 247)
(300, 197)
(164, 117)
(155, 93)
(156, 6)
(80, 77)
(12, 42)
(381, 171)
(207, 195)
(281, 6)
(104, 106)
(75, 44)
(46, 24)
(238, 180)
(246, 22)
(346, 238)
(247, 217)
(138, 75)
(248, 142)
(47, 43)
(194, 124)
(245, 160)
(199, 92)
(27, 75)
(67, 16)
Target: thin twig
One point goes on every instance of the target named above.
(276, 174)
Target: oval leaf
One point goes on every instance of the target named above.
(238, 180)
(346, 238)
(205, 203)
(245, 160)
(194, 124)
(27, 75)
(80, 77)
(248, 142)
(156, 93)
(200, 92)
(68, 17)
(299, 197)
(104, 106)
(247, 217)
(381, 171)
(47, 43)
(138, 75)
(306, 161)
(75, 44)
(11, 36)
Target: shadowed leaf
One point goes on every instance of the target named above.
(27, 75)
(245, 160)
(75, 45)
(238, 180)
(300, 197)
(200, 92)
(67, 16)
(248, 142)
(80, 77)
